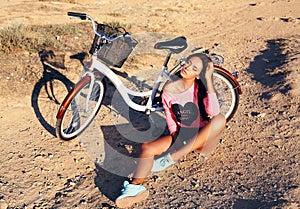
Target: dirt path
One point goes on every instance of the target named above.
(255, 166)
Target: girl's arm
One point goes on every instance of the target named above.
(211, 102)
(209, 78)
(170, 118)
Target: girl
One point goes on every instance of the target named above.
(194, 121)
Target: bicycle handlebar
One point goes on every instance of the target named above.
(84, 16)
(81, 16)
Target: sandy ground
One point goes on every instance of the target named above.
(255, 166)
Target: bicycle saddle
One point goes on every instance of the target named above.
(176, 45)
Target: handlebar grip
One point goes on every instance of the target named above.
(82, 16)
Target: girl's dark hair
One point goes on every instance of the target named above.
(201, 95)
(202, 83)
(205, 60)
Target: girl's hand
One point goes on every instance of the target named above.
(209, 78)
(209, 71)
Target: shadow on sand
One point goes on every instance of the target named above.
(254, 204)
(47, 92)
(267, 68)
(121, 144)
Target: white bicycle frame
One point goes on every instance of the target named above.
(106, 71)
(124, 91)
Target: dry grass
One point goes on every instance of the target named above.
(20, 44)
(19, 37)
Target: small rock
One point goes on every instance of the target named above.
(69, 183)
(261, 115)
(82, 201)
(254, 114)
(129, 148)
(57, 195)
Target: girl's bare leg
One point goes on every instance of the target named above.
(146, 158)
(206, 140)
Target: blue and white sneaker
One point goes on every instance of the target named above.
(162, 163)
(131, 194)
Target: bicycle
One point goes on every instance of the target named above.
(83, 102)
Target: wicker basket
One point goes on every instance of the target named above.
(113, 53)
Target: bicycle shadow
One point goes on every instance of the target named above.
(50, 89)
(119, 162)
(267, 68)
(254, 204)
(114, 144)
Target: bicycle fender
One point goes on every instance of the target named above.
(231, 76)
(70, 95)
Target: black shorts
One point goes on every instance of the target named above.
(184, 135)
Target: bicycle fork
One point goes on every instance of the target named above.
(92, 77)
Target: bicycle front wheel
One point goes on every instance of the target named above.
(227, 93)
(79, 108)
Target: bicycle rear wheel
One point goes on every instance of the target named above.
(227, 93)
(79, 108)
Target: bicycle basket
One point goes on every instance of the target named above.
(113, 53)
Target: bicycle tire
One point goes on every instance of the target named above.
(74, 115)
(227, 92)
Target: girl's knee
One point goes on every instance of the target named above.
(219, 120)
(147, 149)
